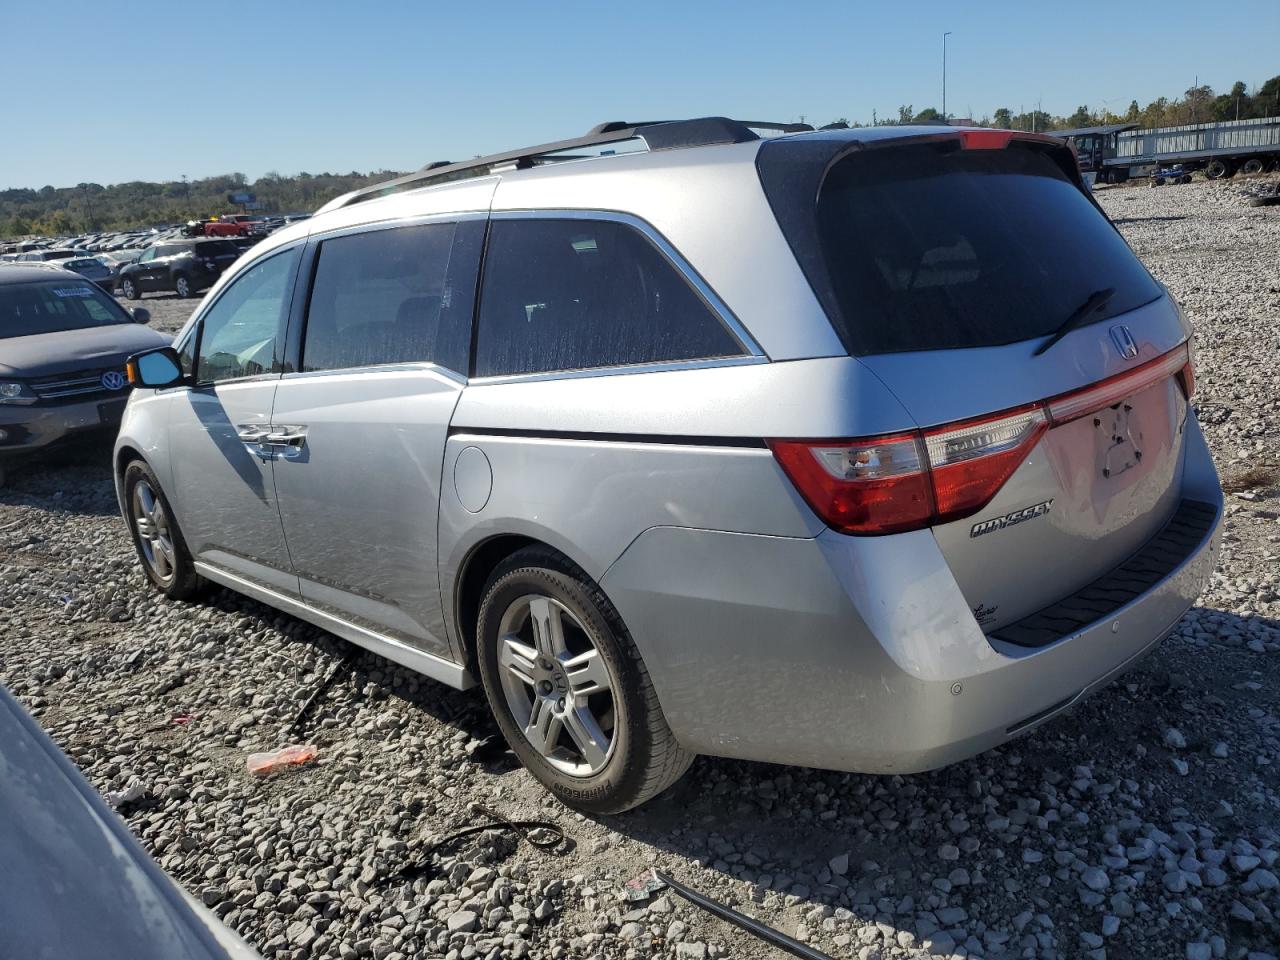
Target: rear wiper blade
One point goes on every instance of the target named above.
(1092, 304)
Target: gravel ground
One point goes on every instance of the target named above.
(168, 311)
(1141, 825)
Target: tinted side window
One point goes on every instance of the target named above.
(578, 294)
(238, 334)
(393, 296)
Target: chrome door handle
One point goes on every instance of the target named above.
(253, 432)
(285, 437)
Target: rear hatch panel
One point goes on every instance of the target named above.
(944, 260)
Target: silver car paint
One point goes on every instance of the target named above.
(590, 499)
(943, 386)
(861, 651)
(732, 588)
(224, 494)
(371, 467)
(709, 205)
(1094, 521)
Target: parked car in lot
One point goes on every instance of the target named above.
(63, 346)
(77, 882)
(116, 260)
(183, 266)
(863, 449)
(42, 256)
(234, 225)
(93, 269)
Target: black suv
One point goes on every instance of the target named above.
(184, 266)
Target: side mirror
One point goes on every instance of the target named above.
(140, 314)
(155, 368)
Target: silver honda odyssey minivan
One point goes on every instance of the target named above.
(861, 449)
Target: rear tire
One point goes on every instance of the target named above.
(183, 286)
(1252, 167)
(130, 288)
(163, 552)
(1216, 170)
(561, 671)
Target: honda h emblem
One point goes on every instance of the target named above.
(1124, 341)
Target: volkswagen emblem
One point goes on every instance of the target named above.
(1124, 341)
(113, 380)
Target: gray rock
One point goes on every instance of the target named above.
(463, 921)
(1095, 878)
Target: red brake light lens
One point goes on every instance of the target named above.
(971, 461)
(912, 480)
(864, 486)
(1187, 375)
(1081, 403)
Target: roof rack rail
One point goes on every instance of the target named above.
(657, 135)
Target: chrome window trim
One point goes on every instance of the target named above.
(746, 360)
(406, 366)
(374, 226)
(683, 267)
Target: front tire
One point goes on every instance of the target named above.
(166, 561)
(569, 689)
(130, 288)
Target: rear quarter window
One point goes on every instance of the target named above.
(575, 294)
(929, 247)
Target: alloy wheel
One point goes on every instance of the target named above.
(559, 688)
(154, 536)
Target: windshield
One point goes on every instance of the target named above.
(91, 264)
(933, 249)
(49, 307)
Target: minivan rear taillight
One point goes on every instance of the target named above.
(911, 480)
(879, 485)
(904, 482)
(971, 461)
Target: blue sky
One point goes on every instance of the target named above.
(151, 90)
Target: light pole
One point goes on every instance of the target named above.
(944, 75)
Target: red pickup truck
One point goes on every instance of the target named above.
(234, 225)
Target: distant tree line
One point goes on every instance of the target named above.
(91, 207)
(1198, 105)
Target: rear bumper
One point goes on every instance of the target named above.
(31, 428)
(861, 654)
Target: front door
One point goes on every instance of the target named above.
(144, 277)
(221, 434)
(380, 370)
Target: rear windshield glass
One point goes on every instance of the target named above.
(932, 249)
(217, 248)
(81, 264)
(70, 304)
